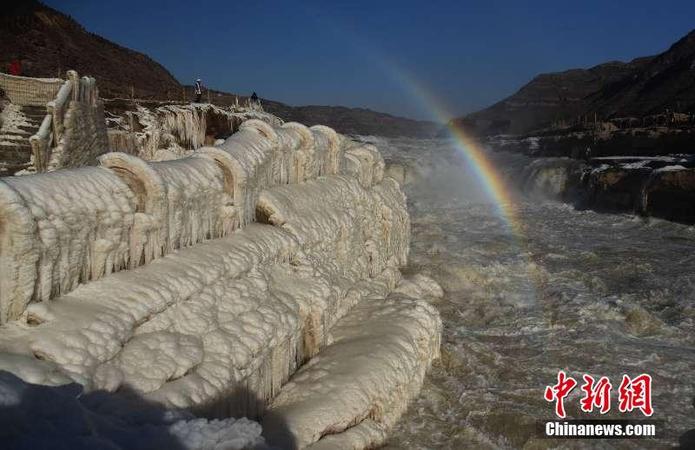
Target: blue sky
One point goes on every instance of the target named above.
(465, 54)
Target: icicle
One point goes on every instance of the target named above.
(258, 302)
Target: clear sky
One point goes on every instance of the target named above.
(465, 54)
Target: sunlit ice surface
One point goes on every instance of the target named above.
(585, 292)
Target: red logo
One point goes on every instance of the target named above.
(636, 393)
(633, 393)
(596, 394)
(558, 392)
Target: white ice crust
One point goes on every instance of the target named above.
(260, 272)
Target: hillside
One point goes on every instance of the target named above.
(345, 120)
(643, 86)
(353, 120)
(48, 42)
(666, 81)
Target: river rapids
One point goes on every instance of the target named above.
(588, 293)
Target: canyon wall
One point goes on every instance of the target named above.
(659, 186)
(258, 278)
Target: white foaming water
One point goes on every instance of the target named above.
(580, 291)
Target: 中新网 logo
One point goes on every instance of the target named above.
(633, 394)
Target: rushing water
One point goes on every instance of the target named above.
(580, 291)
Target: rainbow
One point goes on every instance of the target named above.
(474, 155)
(494, 184)
(487, 175)
(490, 179)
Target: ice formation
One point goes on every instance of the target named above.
(345, 395)
(11, 119)
(173, 131)
(204, 283)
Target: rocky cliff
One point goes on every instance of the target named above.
(662, 187)
(643, 86)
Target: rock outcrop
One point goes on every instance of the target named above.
(261, 273)
(604, 141)
(662, 187)
(666, 189)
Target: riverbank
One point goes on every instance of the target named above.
(662, 187)
(625, 172)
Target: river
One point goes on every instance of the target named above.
(579, 291)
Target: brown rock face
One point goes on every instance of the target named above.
(547, 98)
(671, 195)
(643, 86)
(617, 189)
(48, 43)
(668, 194)
(653, 187)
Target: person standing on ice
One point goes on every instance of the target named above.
(198, 89)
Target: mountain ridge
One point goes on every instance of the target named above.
(641, 86)
(49, 42)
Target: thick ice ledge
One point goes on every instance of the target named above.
(60, 229)
(205, 283)
(354, 390)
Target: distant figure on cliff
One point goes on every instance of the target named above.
(15, 67)
(587, 154)
(198, 89)
(254, 98)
